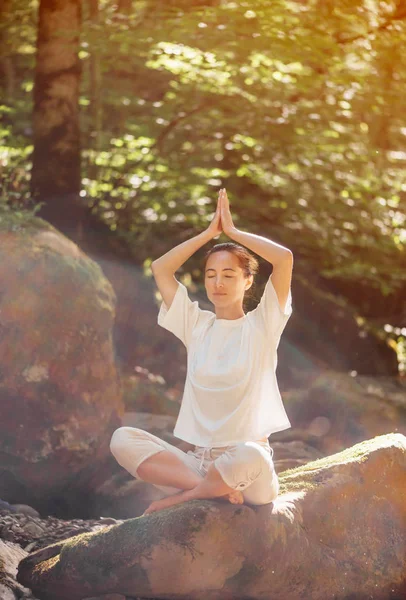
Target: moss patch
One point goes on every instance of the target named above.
(23, 221)
(305, 476)
(135, 538)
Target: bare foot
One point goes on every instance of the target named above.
(164, 503)
(236, 497)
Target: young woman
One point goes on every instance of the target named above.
(231, 401)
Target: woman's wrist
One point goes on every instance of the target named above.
(232, 233)
(208, 235)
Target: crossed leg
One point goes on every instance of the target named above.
(166, 468)
(210, 486)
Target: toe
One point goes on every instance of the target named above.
(151, 508)
(236, 497)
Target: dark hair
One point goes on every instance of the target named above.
(247, 261)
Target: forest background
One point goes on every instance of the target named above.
(123, 119)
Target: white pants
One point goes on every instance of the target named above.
(247, 466)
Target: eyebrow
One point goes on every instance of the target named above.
(226, 269)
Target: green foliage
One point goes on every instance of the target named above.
(297, 108)
(17, 51)
(292, 124)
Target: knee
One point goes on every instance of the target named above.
(247, 454)
(247, 460)
(241, 465)
(119, 440)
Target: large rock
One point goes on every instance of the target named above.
(332, 410)
(60, 396)
(337, 530)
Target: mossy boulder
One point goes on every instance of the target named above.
(337, 530)
(60, 394)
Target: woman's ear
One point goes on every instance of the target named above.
(249, 283)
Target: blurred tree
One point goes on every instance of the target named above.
(56, 156)
(124, 6)
(95, 77)
(6, 53)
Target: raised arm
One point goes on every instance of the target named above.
(280, 257)
(165, 267)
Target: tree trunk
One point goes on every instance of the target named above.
(56, 156)
(96, 106)
(6, 61)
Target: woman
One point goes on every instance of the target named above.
(231, 401)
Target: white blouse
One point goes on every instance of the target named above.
(231, 393)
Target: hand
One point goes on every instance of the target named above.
(215, 227)
(226, 219)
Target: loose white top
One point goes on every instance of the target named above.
(231, 393)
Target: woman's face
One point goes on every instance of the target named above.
(224, 279)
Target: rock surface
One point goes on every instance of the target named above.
(21, 533)
(10, 556)
(337, 530)
(32, 533)
(59, 389)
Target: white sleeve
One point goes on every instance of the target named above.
(182, 315)
(269, 313)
